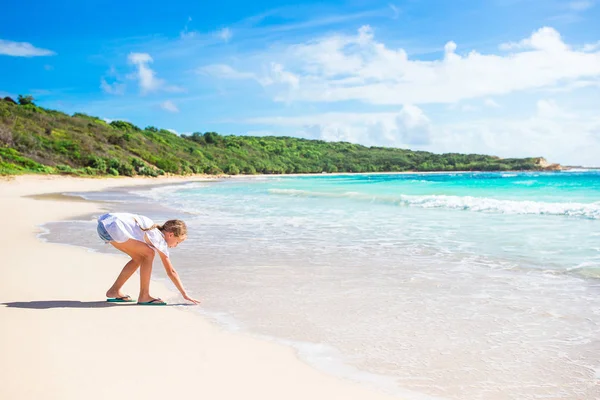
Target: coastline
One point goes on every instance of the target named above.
(207, 177)
(63, 341)
(378, 173)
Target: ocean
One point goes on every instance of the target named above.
(429, 286)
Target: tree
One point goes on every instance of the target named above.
(124, 126)
(232, 169)
(24, 100)
(211, 137)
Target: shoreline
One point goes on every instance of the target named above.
(62, 336)
(208, 177)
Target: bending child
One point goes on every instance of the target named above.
(140, 238)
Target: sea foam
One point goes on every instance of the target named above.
(466, 203)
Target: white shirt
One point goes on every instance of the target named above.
(124, 226)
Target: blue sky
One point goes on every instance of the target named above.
(512, 78)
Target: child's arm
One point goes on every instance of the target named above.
(174, 276)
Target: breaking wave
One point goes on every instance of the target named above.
(466, 203)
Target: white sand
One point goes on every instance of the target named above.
(59, 339)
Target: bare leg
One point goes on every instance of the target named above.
(128, 270)
(145, 275)
(141, 256)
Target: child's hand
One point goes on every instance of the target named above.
(188, 298)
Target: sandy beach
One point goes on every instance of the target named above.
(60, 339)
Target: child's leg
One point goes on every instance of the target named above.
(145, 275)
(128, 270)
(141, 255)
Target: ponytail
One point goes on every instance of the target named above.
(160, 227)
(176, 226)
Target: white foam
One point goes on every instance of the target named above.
(466, 203)
(525, 183)
(159, 193)
(591, 210)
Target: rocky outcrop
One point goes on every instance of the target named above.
(546, 166)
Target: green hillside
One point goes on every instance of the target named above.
(38, 140)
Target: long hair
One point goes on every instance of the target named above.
(176, 226)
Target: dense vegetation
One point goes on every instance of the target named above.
(34, 139)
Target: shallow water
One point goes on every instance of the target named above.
(456, 286)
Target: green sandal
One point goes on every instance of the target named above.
(124, 299)
(155, 302)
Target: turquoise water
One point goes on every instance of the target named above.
(454, 286)
(446, 286)
(531, 220)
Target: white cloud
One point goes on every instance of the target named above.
(413, 126)
(589, 47)
(280, 75)
(147, 79)
(540, 134)
(468, 108)
(225, 72)
(408, 127)
(283, 83)
(22, 49)
(186, 33)
(112, 88)
(573, 11)
(574, 85)
(339, 68)
(224, 34)
(395, 11)
(173, 131)
(545, 39)
(548, 109)
(367, 129)
(491, 103)
(580, 5)
(116, 87)
(276, 78)
(169, 106)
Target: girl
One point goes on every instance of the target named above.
(140, 238)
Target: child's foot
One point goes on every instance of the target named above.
(115, 294)
(147, 299)
(124, 299)
(153, 302)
